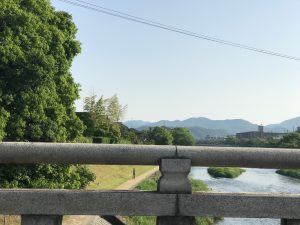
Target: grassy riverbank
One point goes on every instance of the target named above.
(110, 177)
(226, 172)
(151, 184)
(294, 173)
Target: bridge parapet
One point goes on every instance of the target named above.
(173, 203)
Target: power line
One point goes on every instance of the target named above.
(103, 10)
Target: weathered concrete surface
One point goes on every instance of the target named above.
(71, 202)
(58, 153)
(290, 222)
(247, 205)
(41, 220)
(241, 157)
(174, 177)
(175, 180)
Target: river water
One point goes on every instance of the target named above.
(253, 180)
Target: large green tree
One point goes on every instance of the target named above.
(37, 91)
(160, 135)
(182, 136)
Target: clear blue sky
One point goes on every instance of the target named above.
(164, 75)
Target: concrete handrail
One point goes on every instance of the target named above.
(173, 203)
(88, 202)
(56, 153)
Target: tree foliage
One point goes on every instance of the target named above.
(130, 135)
(37, 46)
(45, 176)
(115, 111)
(182, 136)
(104, 115)
(3, 120)
(160, 136)
(291, 140)
(37, 91)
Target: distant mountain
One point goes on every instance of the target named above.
(229, 126)
(201, 127)
(136, 123)
(287, 125)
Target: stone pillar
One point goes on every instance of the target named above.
(290, 222)
(41, 220)
(174, 180)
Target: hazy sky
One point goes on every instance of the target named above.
(164, 75)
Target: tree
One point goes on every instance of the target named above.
(182, 136)
(37, 47)
(3, 120)
(291, 140)
(99, 124)
(45, 176)
(115, 110)
(161, 135)
(104, 115)
(37, 91)
(130, 135)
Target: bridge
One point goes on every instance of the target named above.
(173, 203)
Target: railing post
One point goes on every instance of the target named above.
(290, 222)
(174, 180)
(41, 220)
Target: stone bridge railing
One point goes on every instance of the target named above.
(173, 203)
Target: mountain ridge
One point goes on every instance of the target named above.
(216, 127)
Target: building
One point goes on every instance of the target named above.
(259, 134)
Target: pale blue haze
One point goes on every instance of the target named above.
(164, 75)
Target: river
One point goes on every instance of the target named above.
(253, 180)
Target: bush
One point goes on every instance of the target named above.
(226, 172)
(295, 173)
(45, 176)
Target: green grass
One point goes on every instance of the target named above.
(110, 177)
(151, 185)
(226, 172)
(295, 173)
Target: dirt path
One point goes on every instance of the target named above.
(96, 220)
(130, 184)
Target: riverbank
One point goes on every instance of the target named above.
(111, 177)
(294, 173)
